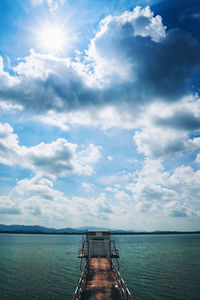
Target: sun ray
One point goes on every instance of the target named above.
(51, 38)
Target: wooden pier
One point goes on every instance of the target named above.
(100, 278)
(100, 282)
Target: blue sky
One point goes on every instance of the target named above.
(100, 114)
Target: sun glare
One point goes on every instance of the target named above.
(52, 39)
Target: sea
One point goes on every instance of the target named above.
(156, 267)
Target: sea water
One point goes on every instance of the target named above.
(46, 266)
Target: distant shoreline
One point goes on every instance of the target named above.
(112, 233)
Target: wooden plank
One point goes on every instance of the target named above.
(100, 283)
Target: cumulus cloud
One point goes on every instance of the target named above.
(175, 194)
(59, 158)
(119, 193)
(167, 129)
(105, 117)
(197, 158)
(131, 59)
(186, 179)
(8, 144)
(88, 186)
(144, 60)
(36, 200)
(156, 192)
(8, 207)
(151, 192)
(160, 129)
(134, 75)
(133, 69)
(7, 106)
(159, 142)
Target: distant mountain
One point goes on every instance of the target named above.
(79, 230)
(35, 229)
(41, 229)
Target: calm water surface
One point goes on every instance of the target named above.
(47, 267)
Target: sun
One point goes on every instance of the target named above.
(51, 38)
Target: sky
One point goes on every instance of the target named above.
(100, 113)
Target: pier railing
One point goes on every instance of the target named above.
(114, 251)
(125, 293)
(81, 282)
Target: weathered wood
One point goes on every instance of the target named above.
(100, 282)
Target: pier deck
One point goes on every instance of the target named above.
(100, 283)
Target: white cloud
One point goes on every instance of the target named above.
(108, 49)
(166, 129)
(88, 186)
(160, 142)
(7, 106)
(155, 189)
(119, 194)
(116, 178)
(185, 180)
(35, 201)
(104, 117)
(197, 158)
(161, 129)
(59, 158)
(115, 72)
(157, 193)
(8, 145)
(151, 198)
